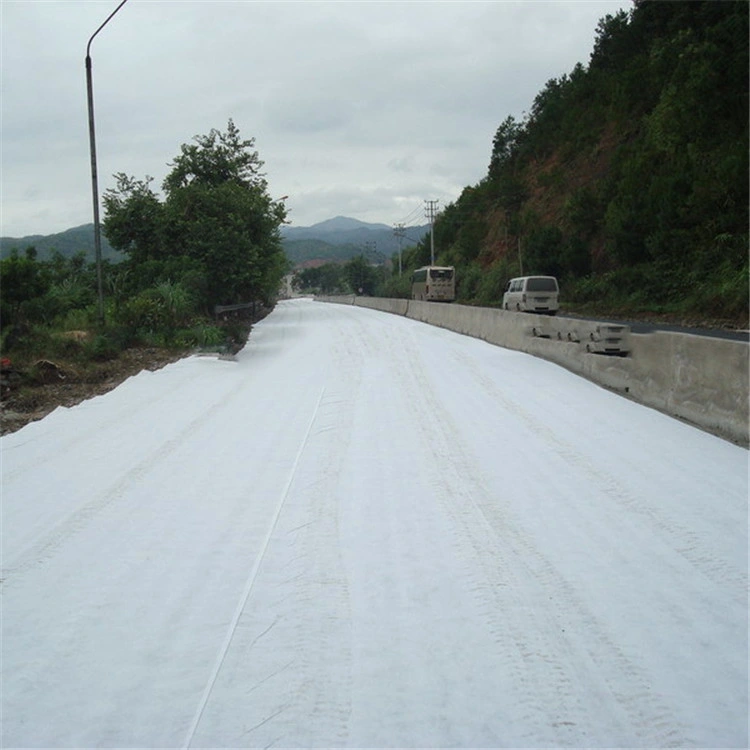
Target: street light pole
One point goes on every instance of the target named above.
(94, 178)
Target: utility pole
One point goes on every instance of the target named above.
(430, 212)
(398, 230)
(94, 175)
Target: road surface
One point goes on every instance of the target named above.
(369, 532)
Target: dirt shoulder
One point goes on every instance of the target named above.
(66, 385)
(32, 392)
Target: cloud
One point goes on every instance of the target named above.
(403, 164)
(357, 107)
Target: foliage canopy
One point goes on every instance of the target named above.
(216, 231)
(626, 174)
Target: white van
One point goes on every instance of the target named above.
(537, 294)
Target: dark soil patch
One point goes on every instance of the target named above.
(35, 390)
(28, 401)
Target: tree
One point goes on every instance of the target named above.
(21, 279)
(217, 223)
(612, 45)
(361, 276)
(218, 158)
(134, 218)
(219, 213)
(326, 279)
(504, 144)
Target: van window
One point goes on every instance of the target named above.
(541, 284)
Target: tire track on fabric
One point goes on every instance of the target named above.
(520, 591)
(44, 548)
(680, 539)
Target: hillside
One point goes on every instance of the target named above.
(68, 243)
(628, 177)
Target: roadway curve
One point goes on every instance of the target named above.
(370, 532)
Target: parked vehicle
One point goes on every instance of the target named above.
(537, 294)
(437, 283)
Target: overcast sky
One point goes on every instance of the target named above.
(360, 109)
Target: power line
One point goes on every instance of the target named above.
(411, 216)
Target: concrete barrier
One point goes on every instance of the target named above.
(395, 306)
(703, 380)
(341, 299)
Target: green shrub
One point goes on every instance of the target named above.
(102, 347)
(468, 280)
(41, 310)
(143, 313)
(155, 339)
(202, 336)
(398, 287)
(79, 319)
(177, 301)
(492, 284)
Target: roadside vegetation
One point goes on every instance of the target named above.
(212, 241)
(358, 275)
(627, 178)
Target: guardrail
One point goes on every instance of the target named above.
(703, 380)
(219, 309)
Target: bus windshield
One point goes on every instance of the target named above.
(441, 273)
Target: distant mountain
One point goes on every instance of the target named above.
(337, 239)
(341, 224)
(67, 243)
(342, 238)
(301, 252)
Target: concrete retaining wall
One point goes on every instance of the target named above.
(702, 380)
(396, 306)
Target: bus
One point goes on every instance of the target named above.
(435, 283)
